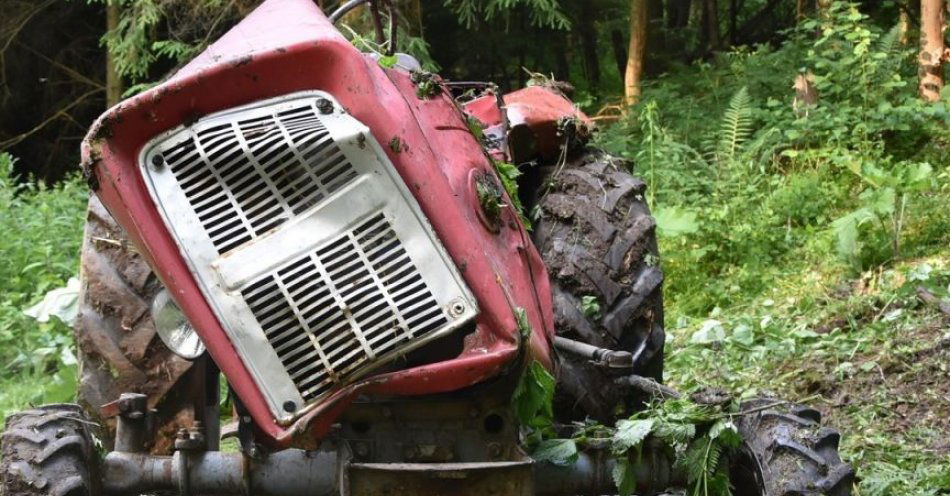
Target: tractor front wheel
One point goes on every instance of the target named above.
(787, 452)
(49, 451)
(598, 240)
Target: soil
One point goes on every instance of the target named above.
(906, 388)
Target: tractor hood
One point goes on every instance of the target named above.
(289, 47)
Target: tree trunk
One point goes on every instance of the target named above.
(655, 32)
(677, 13)
(636, 50)
(620, 51)
(588, 36)
(734, 21)
(932, 49)
(712, 24)
(113, 79)
(904, 23)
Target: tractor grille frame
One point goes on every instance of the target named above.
(315, 257)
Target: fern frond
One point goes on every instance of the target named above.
(889, 43)
(735, 128)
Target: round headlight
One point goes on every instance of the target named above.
(174, 329)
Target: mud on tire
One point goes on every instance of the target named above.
(115, 336)
(787, 452)
(598, 240)
(48, 450)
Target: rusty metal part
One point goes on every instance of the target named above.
(601, 356)
(473, 429)
(329, 472)
(512, 478)
(648, 386)
(286, 473)
(132, 425)
(592, 473)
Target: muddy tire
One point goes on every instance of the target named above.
(787, 452)
(598, 240)
(49, 451)
(118, 347)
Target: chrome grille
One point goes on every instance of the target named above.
(334, 310)
(244, 178)
(313, 254)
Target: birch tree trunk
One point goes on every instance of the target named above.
(932, 49)
(636, 50)
(113, 79)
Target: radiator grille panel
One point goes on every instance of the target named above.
(247, 177)
(313, 254)
(338, 308)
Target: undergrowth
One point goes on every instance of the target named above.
(43, 232)
(795, 235)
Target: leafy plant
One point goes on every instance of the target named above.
(543, 12)
(590, 306)
(41, 256)
(736, 127)
(509, 174)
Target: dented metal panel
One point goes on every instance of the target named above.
(314, 255)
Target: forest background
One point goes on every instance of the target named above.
(796, 155)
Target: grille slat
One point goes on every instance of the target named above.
(346, 314)
(264, 167)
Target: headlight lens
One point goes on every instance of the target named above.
(174, 329)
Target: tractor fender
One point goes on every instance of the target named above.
(534, 115)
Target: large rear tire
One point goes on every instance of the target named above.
(115, 335)
(787, 452)
(598, 240)
(49, 451)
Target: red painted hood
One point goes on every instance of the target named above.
(286, 46)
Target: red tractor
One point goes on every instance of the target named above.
(327, 230)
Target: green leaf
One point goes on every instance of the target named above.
(533, 398)
(726, 433)
(388, 61)
(624, 477)
(880, 201)
(710, 332)
(509, 174)
(675, 221)
(630, 433)
(556, 451)
(743, 334)
(62, 303)
(590, 306)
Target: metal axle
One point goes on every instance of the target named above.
(328, 472)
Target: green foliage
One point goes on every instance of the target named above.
(509, 174)
(427, 85)
(790, 234)
(556, 451)
(130, 43)
(533, 397)
(590, 306)
(151, 32)
(700, 437)
(736, 127)
(41, 254)
(542, 12)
